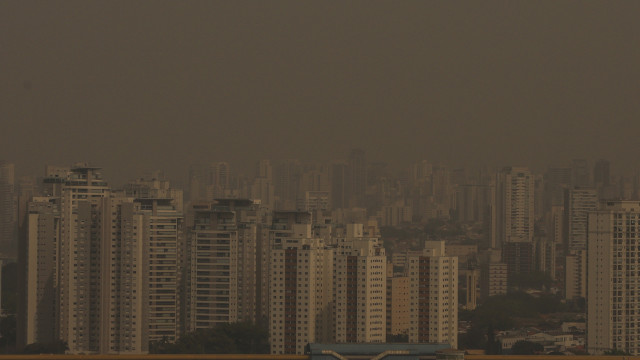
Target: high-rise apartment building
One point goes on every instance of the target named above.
(576, 275)
(398, 319)
(357, 177)
(102, 268)
(578, 202)
(8, 214)
(602, 173)
(493, 273)
(613, 306)
(41, 320)
(164, 267)
(339, 184)
(80, 252)
(301, 304)
(581, 176)
(514, 206)
(434, 296)
(222, 263)
(360, 287)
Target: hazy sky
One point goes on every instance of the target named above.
(142, 85)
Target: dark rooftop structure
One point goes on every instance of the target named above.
(380, 351)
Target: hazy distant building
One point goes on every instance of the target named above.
(314, 201)
(576, 275)
(339, 182)
(473, 202)
(578, 202)
(514, 206)
(555, 181)
(554, 225)
(493, 274)
(602, 173)
(396, 214)
(519, 256)
(613, 305)
(545, 256)
(357, 177)
(471, 286)
(8, 214)
(581, 175)
(434, 296)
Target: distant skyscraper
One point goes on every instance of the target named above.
(8, 214)
(602, 173)
(576, 275)
(358, 177)
(580, 173)
(613, 304)
(339, 186)
(555, 181)
(578, 202)
(514, 206)
(287, 181)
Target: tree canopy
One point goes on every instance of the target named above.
(524, 347)
(233, 338)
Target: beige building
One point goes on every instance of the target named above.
(433, 304)
(222, 263)
(301, 305)
(360, 287)
(41, 298)
(102, 267)
(398, 300)
(613, 306)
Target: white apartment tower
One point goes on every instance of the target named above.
(613, 288)
(164, 266)
(360, 287)
(301, 290)
(433, 306)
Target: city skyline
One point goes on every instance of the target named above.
(292, 177)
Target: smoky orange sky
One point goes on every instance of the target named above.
(140, 85)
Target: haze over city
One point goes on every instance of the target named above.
(139, 86)
(431, 179)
